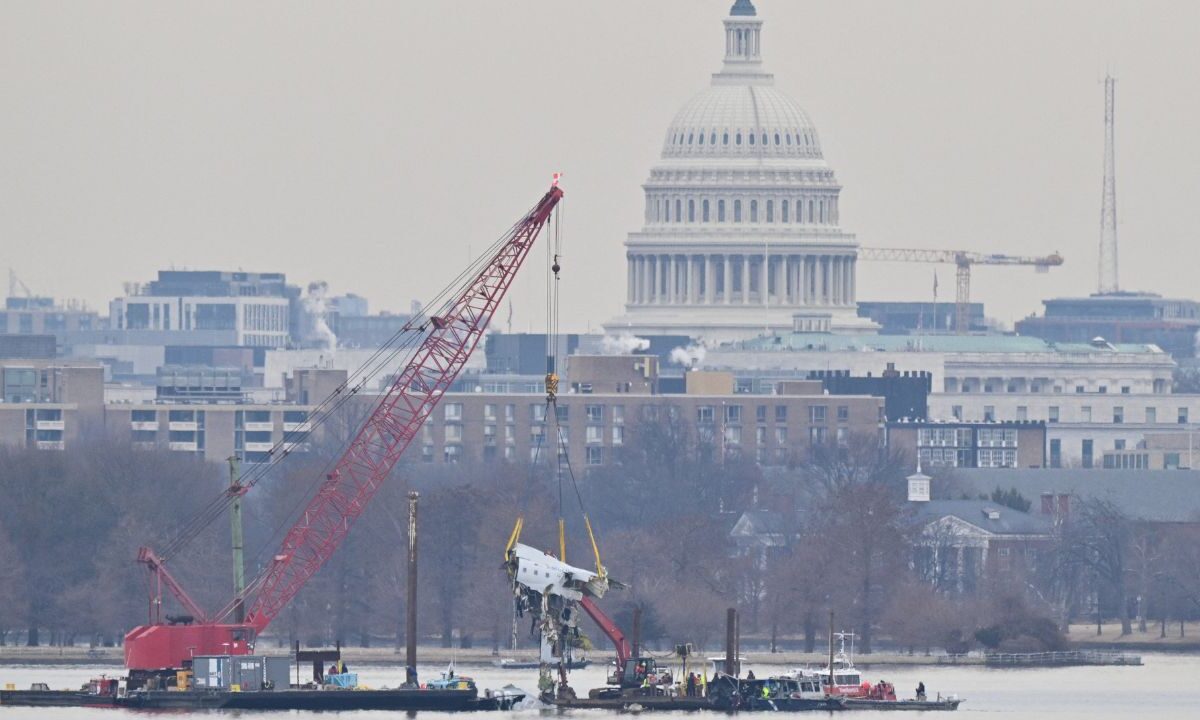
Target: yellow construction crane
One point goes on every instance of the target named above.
(962, 260)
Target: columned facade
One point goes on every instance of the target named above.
(791, 279)
(741, 226)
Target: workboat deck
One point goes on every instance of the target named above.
(922, 705)
(55, 698)
(635, 702)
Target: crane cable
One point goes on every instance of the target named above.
(554, 255)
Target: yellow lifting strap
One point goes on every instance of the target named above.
(562, 541)
(513, 537)
(595, 548)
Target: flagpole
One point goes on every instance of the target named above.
(936, 321)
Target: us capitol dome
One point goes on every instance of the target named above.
(741, 232)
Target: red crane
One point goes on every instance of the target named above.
(346, 491)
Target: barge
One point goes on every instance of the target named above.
(445, 700)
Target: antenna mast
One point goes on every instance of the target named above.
(1108, 208)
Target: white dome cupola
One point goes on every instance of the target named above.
(743, 39)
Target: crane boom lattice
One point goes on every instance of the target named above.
(366, 463)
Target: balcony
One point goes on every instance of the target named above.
(183, 426)
(184, 446)
(290, 427)
(259, 426)
(50, 444)
(258, 446)
(144, 445)
(302, 447)
(50, 425)
(144, 425)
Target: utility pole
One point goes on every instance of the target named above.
(410, 630)
(235, 521)
(1108, 205)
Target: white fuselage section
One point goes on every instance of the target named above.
(548, 575)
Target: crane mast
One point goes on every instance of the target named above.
(368, 460)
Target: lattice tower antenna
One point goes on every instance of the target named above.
(1108, 207)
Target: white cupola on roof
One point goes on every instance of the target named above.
(918, 485)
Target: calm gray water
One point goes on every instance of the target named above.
(1165, 688)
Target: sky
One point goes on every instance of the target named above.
(380, 146)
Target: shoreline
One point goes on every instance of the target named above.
(1080, 637)
(388, 657)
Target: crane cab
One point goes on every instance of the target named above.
(638, 672)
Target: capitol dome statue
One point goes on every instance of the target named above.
(741, 233)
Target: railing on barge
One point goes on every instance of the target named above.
(1063, 658)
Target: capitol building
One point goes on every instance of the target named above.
(742, 233)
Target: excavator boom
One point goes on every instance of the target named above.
(610, 630)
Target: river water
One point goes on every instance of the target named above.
(1166, 687)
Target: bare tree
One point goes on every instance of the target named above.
(1097, 539)
(13, 605)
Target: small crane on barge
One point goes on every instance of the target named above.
(159, 648)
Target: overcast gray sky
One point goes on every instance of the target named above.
(376, 145)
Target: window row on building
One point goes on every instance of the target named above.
(805, 141)
(1047, 386)
(817, 210)
(1083, 413)
(705, 414)
(592, 430)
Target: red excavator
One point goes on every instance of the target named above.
(446, 339)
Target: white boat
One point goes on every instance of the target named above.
(847, 680)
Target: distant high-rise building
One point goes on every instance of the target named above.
(42, 315)
(207, 308)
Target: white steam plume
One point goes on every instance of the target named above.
(689, 356)
(623, 344)
(318, 331)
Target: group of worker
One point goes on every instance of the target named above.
(693, 686)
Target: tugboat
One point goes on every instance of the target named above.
(847, 680)
(842, 680)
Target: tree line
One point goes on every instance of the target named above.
(833, 532)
